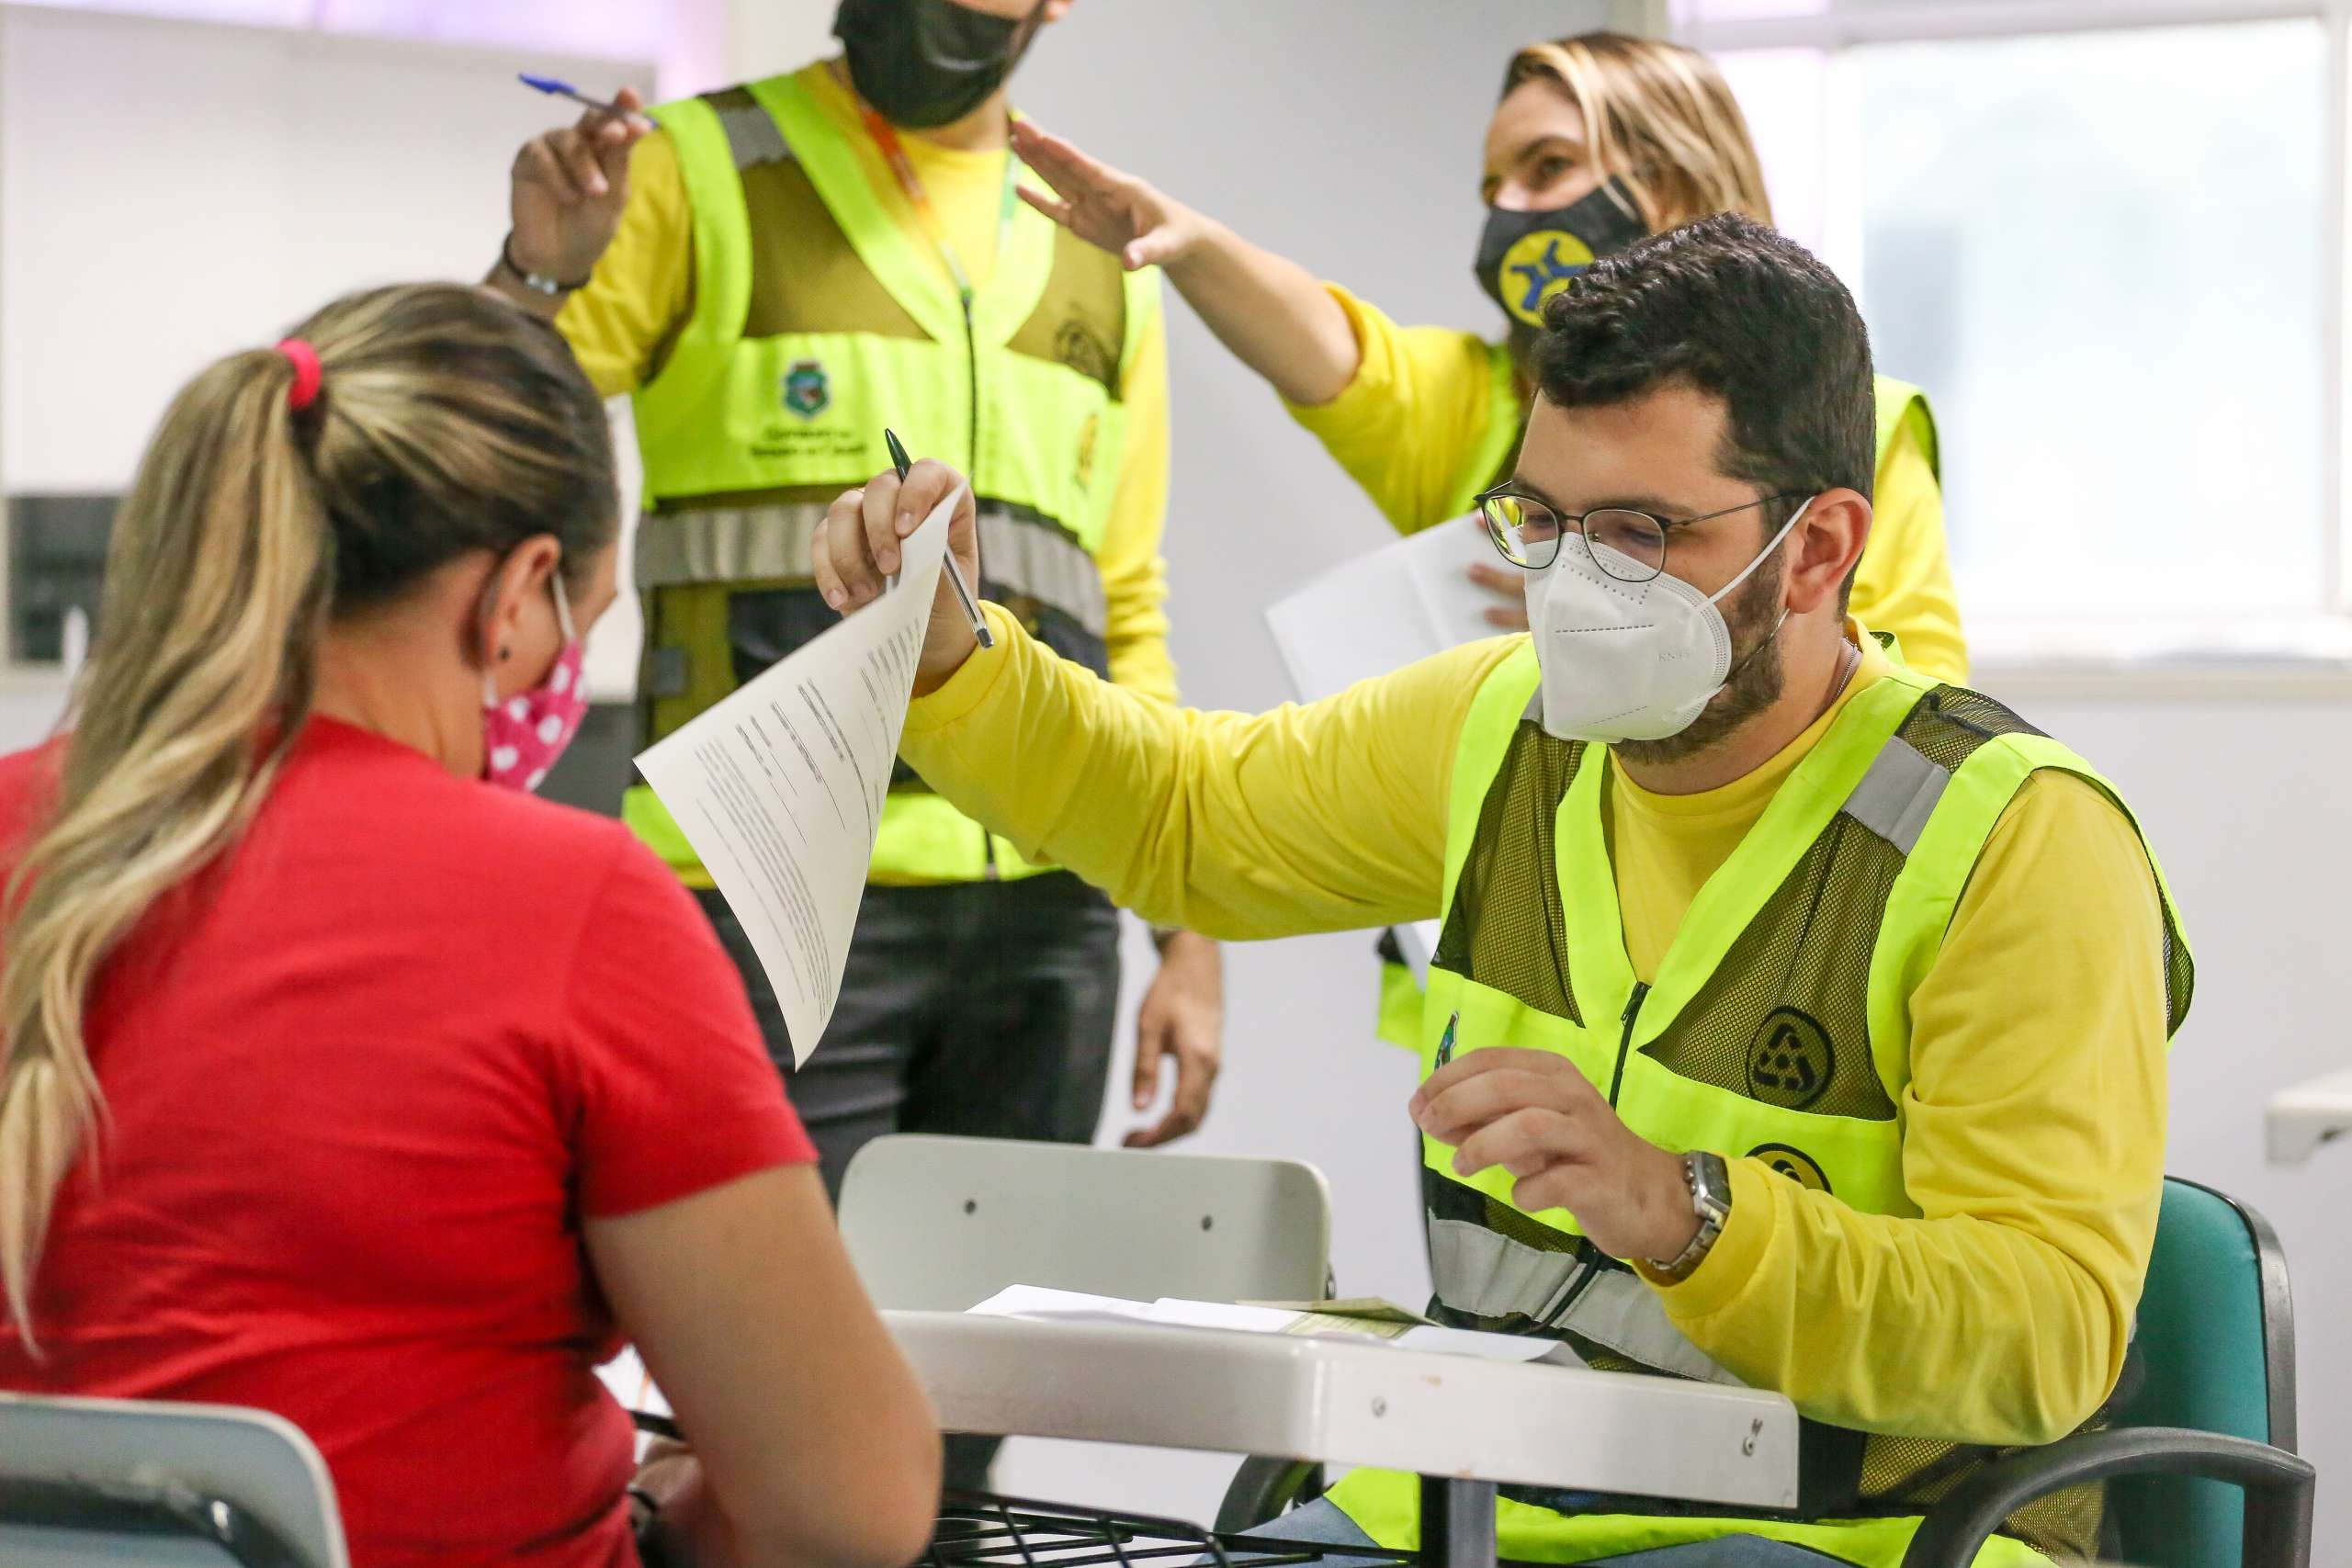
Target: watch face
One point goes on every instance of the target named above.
(1710, 1184)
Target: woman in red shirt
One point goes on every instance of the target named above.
(342, 1082)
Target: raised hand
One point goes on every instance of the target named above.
(1103, 207)
(570, 185)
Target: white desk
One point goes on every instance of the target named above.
(1460, 1422)
(2302, 1118)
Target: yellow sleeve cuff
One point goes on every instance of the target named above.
(1733, 1262)
(1363, 392)
(974, 682)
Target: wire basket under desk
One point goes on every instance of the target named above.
(980, 1530)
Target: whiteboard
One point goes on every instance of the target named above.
(171, 191)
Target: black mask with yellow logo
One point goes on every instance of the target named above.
(1524, 258)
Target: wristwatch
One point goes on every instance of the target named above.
(1709, 1181)
(549, 287)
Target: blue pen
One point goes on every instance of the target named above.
(556, 89)
(1445, 1041)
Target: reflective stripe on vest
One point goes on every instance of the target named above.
(819, 320)
(1485, 1273)
(761, 543)
(1757, 1037)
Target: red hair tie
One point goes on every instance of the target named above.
(307, 373)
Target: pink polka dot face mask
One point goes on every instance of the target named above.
(522, 735)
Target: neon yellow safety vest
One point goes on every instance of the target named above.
(819, 320)
(1399, 1019)
(1776, 1027)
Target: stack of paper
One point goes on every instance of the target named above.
(1369, 1322)
(1383, 611)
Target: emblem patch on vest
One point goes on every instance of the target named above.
(1795, 1164)
(1079, 348)
(807, 391)
(1789, 1060)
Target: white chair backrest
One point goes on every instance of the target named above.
(938, 1224)
(259, 1463)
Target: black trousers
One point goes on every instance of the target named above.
(981, 1009)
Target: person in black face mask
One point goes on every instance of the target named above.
(784, 269)
(1598, 141)
(926, 63)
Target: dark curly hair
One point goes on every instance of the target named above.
(1739, 310)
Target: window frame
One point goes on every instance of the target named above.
(2226, 639)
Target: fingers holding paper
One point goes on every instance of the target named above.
(863, 540)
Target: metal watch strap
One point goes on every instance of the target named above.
(1710, 1183)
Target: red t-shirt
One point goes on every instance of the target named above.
(367, 1076)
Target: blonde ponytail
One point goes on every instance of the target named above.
(450, 422)
(214, 595)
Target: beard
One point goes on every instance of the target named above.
(1758, 675)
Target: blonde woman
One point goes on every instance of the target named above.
(343, 1079)
(1598, 140)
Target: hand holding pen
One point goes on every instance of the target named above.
(861, 544)
(986, 638)
(570, 185)
(626, 106)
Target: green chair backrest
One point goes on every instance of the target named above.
(2216, 1340)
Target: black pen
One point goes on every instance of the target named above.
(900, 461)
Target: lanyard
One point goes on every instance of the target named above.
(894, 152)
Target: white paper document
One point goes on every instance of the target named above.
(779, 787)
(1383, 611)
(1380, 612)
(1358, 1322)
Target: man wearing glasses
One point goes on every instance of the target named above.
(1797, 1020)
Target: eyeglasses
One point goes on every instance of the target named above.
(1527, 531)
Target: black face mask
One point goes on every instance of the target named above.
(923, 64)
(1524, 258)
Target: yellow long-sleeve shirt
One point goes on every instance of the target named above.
(1421, 403)
(2033, 1125)
(643, 293)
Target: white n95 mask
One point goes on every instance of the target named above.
(1630, 660)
